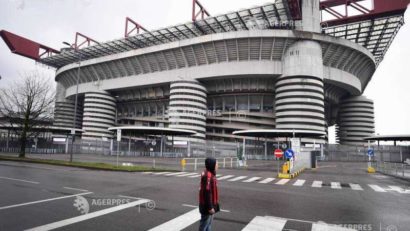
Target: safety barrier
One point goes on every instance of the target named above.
(194, 163)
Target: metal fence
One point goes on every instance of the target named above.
(401, 170)
(385, 153)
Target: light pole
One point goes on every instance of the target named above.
(76, 99)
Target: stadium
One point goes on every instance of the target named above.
(275, 66)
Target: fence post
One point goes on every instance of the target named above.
(231, 162)
(196, 161)
(224, 163)
(153, 163)
(402, 169)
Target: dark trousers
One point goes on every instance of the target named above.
(206, 222)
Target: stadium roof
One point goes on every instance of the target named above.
(374, 31)
(279, 133)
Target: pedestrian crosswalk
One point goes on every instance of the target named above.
(337, 186)
(279, 224)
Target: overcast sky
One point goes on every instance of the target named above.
(51, 22)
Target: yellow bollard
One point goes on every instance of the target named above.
(285, 167)
(183, 163)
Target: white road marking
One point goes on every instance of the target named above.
(267, 180)
(78, 189)
(356, 187)
(187, 174)
(160, 173)
(299, 183)
(135, 198)
(282, 181)
(180, 222)
(376, 188)
(317, 184)
(26, 181)
(147, 172)
(225, 177)
(335, 185)
(398, 189)
(41, 201)
(175, 173)
(197, 175)
(252, 179)
(218, 175)
(265, 223)
(88, 216)
(238, 178)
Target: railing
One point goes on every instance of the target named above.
(194, 163)
(394, 169)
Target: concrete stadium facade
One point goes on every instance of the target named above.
(218, 83)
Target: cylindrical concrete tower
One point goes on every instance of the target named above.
(99, 115)
(187, 107)
(64, 108)
(356, 120)
(299, 100)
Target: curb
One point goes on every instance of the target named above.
(290, 175)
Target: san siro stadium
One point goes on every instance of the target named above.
(275, 66)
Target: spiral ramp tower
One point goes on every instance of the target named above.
(99, 115)
(187, 108)
(356, 120)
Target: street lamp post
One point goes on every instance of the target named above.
(76, 100)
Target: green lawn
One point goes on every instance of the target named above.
(88, 165)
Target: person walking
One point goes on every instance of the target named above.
(208, 194)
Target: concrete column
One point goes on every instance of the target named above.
(299, 98)
(99, 115)
(356, 120)
(187, 108)
(310, 16)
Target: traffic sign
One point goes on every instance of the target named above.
(370, 152)
(289, 153)
(278, 153)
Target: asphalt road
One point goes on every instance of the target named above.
(46, 197)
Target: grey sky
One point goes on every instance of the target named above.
(52, 21)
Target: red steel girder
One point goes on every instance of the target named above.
(381, 8)
(25, 47)
(202, 11)
(87, 40)
(295, 9)
(137, 27)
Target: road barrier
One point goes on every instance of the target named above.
(401, 170)
(194, 163)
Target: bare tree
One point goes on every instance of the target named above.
(27, 104)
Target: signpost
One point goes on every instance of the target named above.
(370, 154)
(118, 143)
(278, 154)
(289, 153)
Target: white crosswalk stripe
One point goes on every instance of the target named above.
(267, 180)
(180, 222)
(317, 184)
(265, 223)
(299, 183)
(225, 177)
(252, 179)
(161, 173)
(175, 173)
(283, 181)
(197, 175)
(270, 223)
(187, 174)
(356, 187)
(398, 189)
(335, 185)
(146, 172)
(238, 178)
(376, 188)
